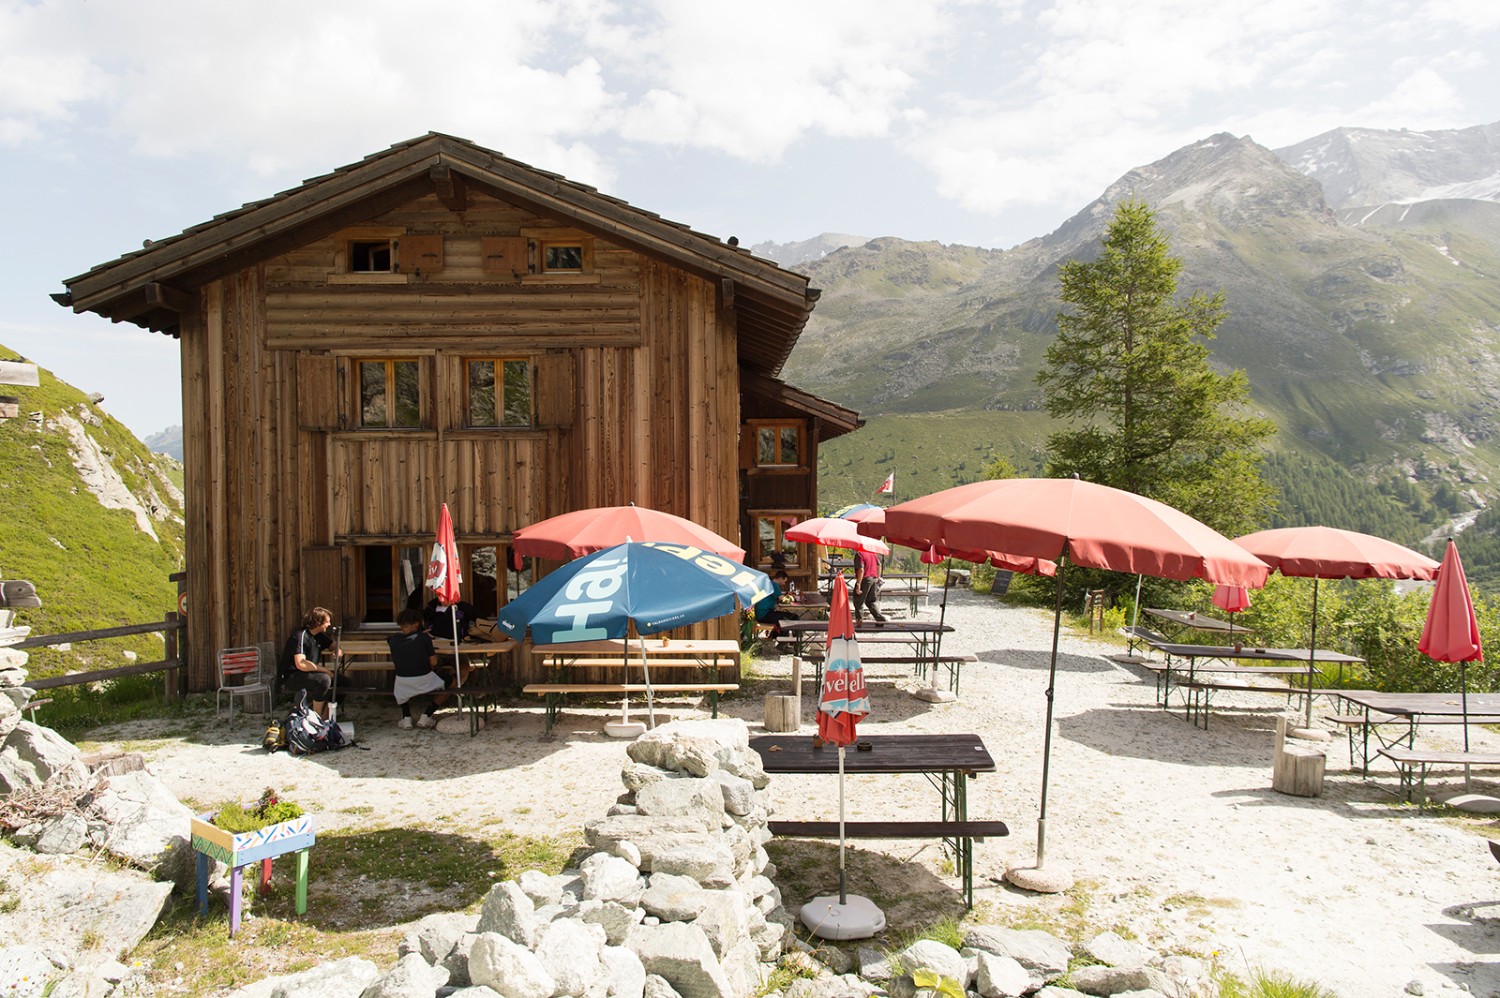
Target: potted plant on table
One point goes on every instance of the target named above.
(234, 829)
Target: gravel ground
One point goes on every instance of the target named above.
(1172, 831)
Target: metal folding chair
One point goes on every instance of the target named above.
(242, 673)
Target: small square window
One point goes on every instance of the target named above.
(370, 256)
(390, 393)
(499, 392)
(562, 258)
(778, 445)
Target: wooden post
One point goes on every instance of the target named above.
(783, 711)
(1296, 769)
(173, 678)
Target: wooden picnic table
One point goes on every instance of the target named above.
(643, 654)
(948, 761)
(1229, 659)
(1404, 712)
(1176, 623)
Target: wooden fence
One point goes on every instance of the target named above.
(173, 661)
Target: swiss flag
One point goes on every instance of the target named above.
(888, 486)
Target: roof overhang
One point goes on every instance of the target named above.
(832, 419)
(152, 286)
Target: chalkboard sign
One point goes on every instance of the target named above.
(1002, 582)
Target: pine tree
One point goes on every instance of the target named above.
(1129, 375)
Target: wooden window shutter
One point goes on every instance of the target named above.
(323, 581)
(317, 392)
(504, 255)
(419, 254)
(556, 390)
(747, 446)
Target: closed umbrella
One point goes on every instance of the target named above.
(1330, 553)
(644, 587)
(841, 704)
(445, 579)
(569, 535)
(1451, 633)
(1232, 600)
(1067, 520)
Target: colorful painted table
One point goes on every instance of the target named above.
(238, 850)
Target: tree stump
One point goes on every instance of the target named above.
(783, 711)
(1297, 769)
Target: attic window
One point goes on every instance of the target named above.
(370, 256)
(562, 258)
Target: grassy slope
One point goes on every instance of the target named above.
(91, 566)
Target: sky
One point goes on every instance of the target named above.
(980, 122)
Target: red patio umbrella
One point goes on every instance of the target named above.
(1232, 600)
(445, 579)
(1067, 520)
(834, 532)
(842, 703)
(1451, 633)
(584, 531)
(1330, 553)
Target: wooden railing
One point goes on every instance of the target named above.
(171, 627)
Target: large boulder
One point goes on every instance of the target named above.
(144, 824)
(68, 902)
(610, 878)
(696, 747)
(411, 977)
(508, 968)
(688, 798)
(571, 952)
(346, 978)
(508, 910)
(680, 953)
(1044, 956)
(33, 755)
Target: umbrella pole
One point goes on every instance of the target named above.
(458, 664)
(1463, 678)
(646, 676)
(1041, 821)
(1312, 654)
(843, 894)
(943, 610)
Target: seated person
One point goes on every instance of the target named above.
(767, 608)
(301, 666)
(414, 657)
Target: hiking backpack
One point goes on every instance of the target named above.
(307, 733)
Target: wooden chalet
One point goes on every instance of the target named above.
(439, 323)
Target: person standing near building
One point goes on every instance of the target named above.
(867, 587)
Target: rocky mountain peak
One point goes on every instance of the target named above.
(1370, 166)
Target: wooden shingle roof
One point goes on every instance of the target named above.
(149, 286)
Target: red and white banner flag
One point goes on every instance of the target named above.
(443, 574)
(888, 486)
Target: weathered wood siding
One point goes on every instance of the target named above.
(635, 387)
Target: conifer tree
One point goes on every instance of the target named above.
(1129, 375)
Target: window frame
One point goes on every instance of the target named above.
(779, 426)
(794, 551)
(390, 390)
(499, 363)
(351, 254)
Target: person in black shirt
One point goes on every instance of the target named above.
(302, 659)
(414, 656)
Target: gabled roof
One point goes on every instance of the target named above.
(148, 286)
(833, 420)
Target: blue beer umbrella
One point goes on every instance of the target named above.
(644, 586)
(653, 586)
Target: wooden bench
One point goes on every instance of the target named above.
(1365, 725)
(919, 663)
(1201, 691)
(1139, 634)
(1410, 761)
(959, 835)
(555, 692)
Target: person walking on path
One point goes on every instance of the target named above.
(867, 583)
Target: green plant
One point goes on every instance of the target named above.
(270, 809)
(925, 978)
(1267, 984)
